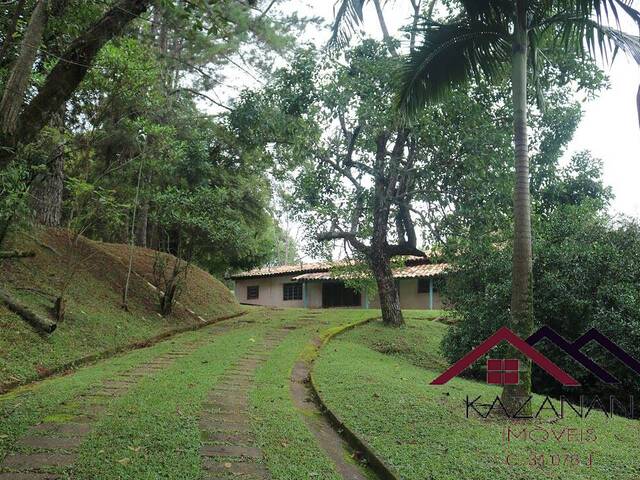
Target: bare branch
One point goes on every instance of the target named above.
(200, 94)
(337, 234)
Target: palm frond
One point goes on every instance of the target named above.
(604, 11)
(494, 11)
(585, 35)
(450, 55)
(347, 17)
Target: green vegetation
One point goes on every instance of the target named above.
(586, 275)
(289, 446)
(34, 403)
(153, 430)
(94, 321)
(150, 148)
(421, 430)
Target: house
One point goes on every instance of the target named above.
(314, 285)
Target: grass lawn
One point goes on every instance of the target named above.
(45, 400)
(152, 430)
(377, 380)
(290, 449)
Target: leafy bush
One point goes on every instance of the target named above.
(586, 274)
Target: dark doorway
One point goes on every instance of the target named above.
(336, 294)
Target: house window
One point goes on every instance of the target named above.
(253, 292)
(423, 285)
(292, 291)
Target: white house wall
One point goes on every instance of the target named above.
(271, 294)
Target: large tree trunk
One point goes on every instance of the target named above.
(46, 194)
(8, 41)
(522, 289)
(46, 190)
(20, 75)
(67, 74)
(387, 290)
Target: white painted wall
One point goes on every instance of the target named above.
(271, 294)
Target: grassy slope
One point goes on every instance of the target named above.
(94, 322)
(422, 431)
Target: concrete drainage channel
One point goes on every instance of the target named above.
(330, 432)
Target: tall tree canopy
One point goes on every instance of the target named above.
(482, 39)
(356, 173)
(104, 128)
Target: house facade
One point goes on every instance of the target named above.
(313, 285)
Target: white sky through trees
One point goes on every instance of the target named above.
(609, 128)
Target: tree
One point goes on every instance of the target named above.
(18, 81)
(480, 41)
(586, 273)
(65, 77)
(22, 125)
(331, 131)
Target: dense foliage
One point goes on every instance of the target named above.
(131, 155)
(586, 274)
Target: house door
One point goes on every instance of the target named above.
(336, 294)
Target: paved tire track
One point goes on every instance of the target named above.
(54, 445)
(230, 448)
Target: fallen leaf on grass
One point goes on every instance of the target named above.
(124, 461)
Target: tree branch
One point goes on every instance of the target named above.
(67, 74)
(200, 94)
(397, 250)
(337, 234)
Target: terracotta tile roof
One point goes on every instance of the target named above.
(421, 271)
(304, 268)
(283, 270)
(413, 271)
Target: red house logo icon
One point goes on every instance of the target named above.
(503, 372)
(506, 372)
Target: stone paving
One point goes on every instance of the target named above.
(48, 448)
(229, 446)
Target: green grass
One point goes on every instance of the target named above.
(290, 449)
(46, 400)
(152, 431)
(375, 378)
(95, 321)
(421, 430)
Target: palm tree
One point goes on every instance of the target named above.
(483, 40)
